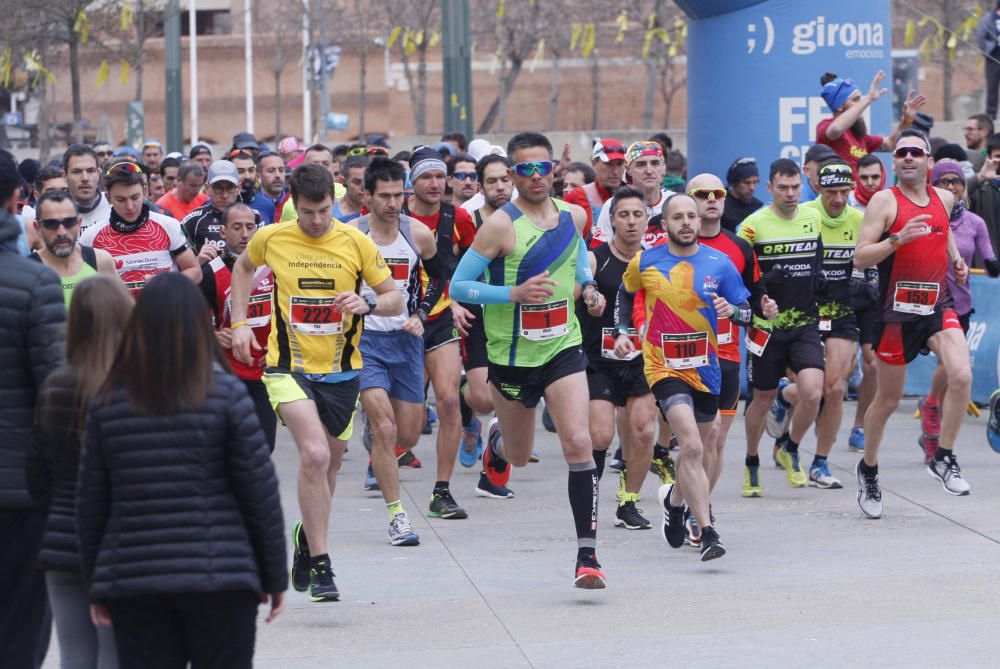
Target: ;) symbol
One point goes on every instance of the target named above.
(768, 38)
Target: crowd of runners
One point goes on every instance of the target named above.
(352, 285)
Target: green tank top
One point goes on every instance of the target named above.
(529, 335)
(87, 270)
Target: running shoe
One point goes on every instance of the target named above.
(949, 474)
(869, 493)
(430, 419)
(673, 518)
(497, 469)
(751, 482)
(321, 585)
(371, 483)
(993, 426)
(407, 459)
(664, 468)
(820, 477)
(674, 445)
(630, 518)
(401, 532)
(300, 558)
(692, 533)
(711, 545)
(443, 505)
(588, 574)
(547, 420)
(487, 489)
(930, 417)
(778, 415)
(793, 471)
(472, 443)
(856, 442)
(617, 462)
(367, 437)
(774, 451)
(534, 457)
(929, 446)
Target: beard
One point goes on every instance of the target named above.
(675, 239)
(860, 128)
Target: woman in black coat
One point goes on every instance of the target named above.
(178, 514)
(97, 317)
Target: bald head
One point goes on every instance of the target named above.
(710, 195)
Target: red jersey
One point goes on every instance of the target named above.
(913, 279)
(463, 234)
(216, 279)
(742, 256)
(591, 198)
(172, 204)
(848, 146)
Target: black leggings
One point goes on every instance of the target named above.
(265, 413)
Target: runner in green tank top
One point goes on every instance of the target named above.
(58, 226)
(533, 258)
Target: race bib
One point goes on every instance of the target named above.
(400, 268)
(912, 297)
(315, 316)
(756, 340)
(608, 337)
(685, 351)
(135, 287)
(825, 325)
(541, 322)
(725, 331)
(259, 311)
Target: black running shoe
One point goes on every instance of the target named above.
(673, 518)
(617, 462)
(588, 574)
(443, 505)
(628, 516)
(711, 545)
(321, 585)
(300, 558)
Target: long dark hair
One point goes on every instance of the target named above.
(166, 360)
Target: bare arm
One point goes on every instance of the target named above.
(188, 264)
(105, 263)
(240, 284)
(872, 249)
(844, 121)
(388, 299)
(495, 237)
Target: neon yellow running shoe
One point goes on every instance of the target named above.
(751, 482)
(793, 472)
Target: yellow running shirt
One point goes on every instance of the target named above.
(307, 334)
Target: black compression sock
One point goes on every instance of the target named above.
(790, 445)
(582, 553)
(940, 453)
(818, 460)
(467, 413)
(582, 486)
(599, 458)
(439, 487)
(752, 461)
(868, 471)
(314, 560)
(660, 453)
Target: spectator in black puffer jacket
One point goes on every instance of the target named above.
(98, 316)
(178, 514)
(32, 313)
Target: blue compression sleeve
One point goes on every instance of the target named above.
(465, 287)
(583, 274)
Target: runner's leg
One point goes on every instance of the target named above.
(444, 368)
(316, 471)
(951, 349)
(891, 379)
(839, 365)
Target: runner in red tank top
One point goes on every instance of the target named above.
(906, 232)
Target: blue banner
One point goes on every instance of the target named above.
(754, 68)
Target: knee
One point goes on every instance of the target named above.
(446, 403)
(600, 437)
(692, 451)
(384, 432)
(577, 446)
(644, 433)
(762, 399)
(315, 459)
(479, 399)
(960, 378)
(884, 406)
(833, 390)
(810, 394)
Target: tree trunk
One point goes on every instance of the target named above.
(277, 106)
(44, 140)
(363, 77)
(595, 82)
(506, 85)
(140, 38)
(554, 93)
(650, 99)
(504, 91)
(74, 75)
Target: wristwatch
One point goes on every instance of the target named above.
(370, 301)
(894, 240)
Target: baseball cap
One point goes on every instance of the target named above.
(200, 148)
(152, 141)
(223, 170)
(819, 153)
(607, 150)
(245, 140)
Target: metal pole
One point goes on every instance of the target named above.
(324, 80)
(174, 102)
(306, 89)
(457, 68)
(193, 69)
(248, 58)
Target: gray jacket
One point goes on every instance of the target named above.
(987, 35)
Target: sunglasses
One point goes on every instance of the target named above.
(708, 193)
(471, 176)
(913, 151)
(542, 168)
(53, 224)
(105, 153)
(152, 145)
(378, 151)
(358, 151)
(836, 169)
(125, 166)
